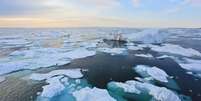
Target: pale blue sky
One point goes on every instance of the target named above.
(112, 13)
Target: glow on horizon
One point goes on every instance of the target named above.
(100, 13)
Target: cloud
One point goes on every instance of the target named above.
(136, 3)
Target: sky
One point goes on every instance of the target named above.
(100, 13)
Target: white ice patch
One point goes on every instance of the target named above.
(54, 87)
(112, 51)
(72, 73)
(154, 72)
(134, 48)
(55, 80)
(128, 87)
(176, 49)
(144, 55)
(92, 94)
(191, 65)
(158, 93)
(147, 36)
(79, 53)
(44, 57)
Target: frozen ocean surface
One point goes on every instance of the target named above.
(100, 64)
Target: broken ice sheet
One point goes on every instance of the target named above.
(112, 51)
(153, 72)
(92, 94)
(147, 36)
(156, 75)
(42, 57)
(175, 49)
(144, 55)
(60, 83)
(142, 91)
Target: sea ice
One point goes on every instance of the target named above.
(56, 80)
(153, 72)
(79, 53)
(134, 48)
(17, 41)
(158, 93)
(112, 51)
(43, 57)
(144, 55)
(147, 36)
(92, 94)
(191, 65)
(176, 49)
(72, 73)
(127, 87)
(53, 88)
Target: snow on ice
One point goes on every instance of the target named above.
(92, 94)
(153, 72)
(44, 57)
(176, 49)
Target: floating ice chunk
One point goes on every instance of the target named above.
(134, 48)
(191, 65)
(112, 51)
(144, 55)
(153, 72)
(147, 36)
(72, 73)
(163, 56)
(158, 93)
(127, 87)
(54, 87)
(130, 44)
(2, 79)
(176, 49)
(92, 94)
(79, 53)
(56, 80)
(161, 93)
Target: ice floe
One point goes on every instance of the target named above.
(56, 80)
(54, 87)
(154, 72)
(92, 94)
(141, 89)
(44, 57)
(191, 65)
(79, 53)
(72, 73)
(134, 48)
(144, 55)
(175, 49)
(112, 51)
